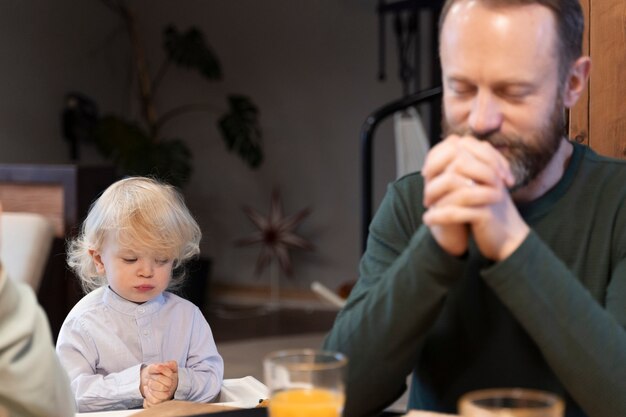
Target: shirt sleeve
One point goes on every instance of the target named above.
(200, 379)
(403, 273)
(583, 340)
(33, 381)
(93, 391)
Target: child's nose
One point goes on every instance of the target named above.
(146, 269)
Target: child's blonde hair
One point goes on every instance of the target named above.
(140, 213)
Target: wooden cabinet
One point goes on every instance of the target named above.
(63, 193)
(599, 119)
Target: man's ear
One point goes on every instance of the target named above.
(576, 81)
(97, 260)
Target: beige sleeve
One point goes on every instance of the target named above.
(33, 382)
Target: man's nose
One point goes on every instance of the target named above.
(486, 114)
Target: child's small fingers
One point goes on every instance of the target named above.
(154, 396)
(164, 380)
(147, 403)
(157, 386)
(166, 371)
(162, 396)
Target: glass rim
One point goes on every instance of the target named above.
(551, 399)
(339, 359)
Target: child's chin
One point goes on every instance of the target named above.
(139, 298)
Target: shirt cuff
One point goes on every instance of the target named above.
(184, 385)
(128, 382)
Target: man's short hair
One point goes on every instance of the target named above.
(568, 15)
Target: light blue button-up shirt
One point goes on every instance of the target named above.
(105, 339)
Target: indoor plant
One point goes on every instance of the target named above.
(138, 147)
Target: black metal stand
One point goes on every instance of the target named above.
(405, 14)
(367, 139)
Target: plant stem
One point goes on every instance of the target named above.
(160, 74)
(143, 76)
(177, 111)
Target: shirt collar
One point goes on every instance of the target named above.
(124, 306)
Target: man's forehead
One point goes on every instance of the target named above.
(498, 45)
(472, 19)
(459, 8)
(499, 3)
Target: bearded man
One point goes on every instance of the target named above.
(504, 263)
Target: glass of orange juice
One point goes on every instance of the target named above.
(305, 383)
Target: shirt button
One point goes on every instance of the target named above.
(145, 333)
(141, 310)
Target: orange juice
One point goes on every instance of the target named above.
(314, 402)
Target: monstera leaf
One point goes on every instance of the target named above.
(189, 50)
(171, 161)
(119, 139)
(240, 130)
(140, 148)
(135, 153)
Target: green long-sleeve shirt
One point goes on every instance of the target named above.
(551, 316)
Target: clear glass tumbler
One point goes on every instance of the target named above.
(510, 402)
(305, 383)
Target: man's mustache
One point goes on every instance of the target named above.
(496, 139)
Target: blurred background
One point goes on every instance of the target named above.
(310, 67)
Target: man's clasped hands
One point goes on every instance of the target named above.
(466, 191)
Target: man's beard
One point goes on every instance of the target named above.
(528, 155)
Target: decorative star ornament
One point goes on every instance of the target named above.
(276, 233)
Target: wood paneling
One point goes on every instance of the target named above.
(579, 114)
(34, 198)
(600, 118)
(607, 104)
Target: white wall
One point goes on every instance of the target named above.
(310, 66)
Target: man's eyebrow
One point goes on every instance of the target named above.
(504, 83)
(514, 83)
(458, 78)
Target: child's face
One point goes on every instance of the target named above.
(135, 275)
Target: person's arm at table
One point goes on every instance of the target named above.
(583, 341)
(32, 381)
(404, 279)
(582, 337)
(93, 391)
(200, 376)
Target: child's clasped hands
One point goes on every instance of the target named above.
(158, 382)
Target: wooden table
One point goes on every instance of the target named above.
(167, 409)
(181, 409)
(186, 408)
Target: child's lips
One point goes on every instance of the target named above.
(144, 287)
